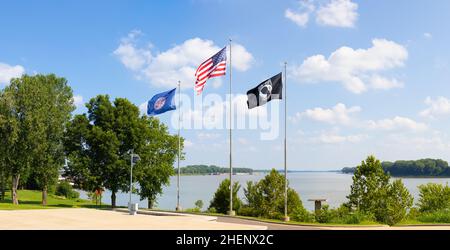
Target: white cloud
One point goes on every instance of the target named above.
(429, 144)
(436, 107)
(7, 72)
(357, 70)
(133, 58)
(243, 141)
(379, 82)
(143, 108)
(216, 82)
(338, 13)
(332, 138)
(427, 35)
(215, 115)
(396, 123)
(78, 101)
(165, 69)
(339, 114)
(208, 136)
(301, 19)
(188, 143)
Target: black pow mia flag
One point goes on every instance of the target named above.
(266, 91)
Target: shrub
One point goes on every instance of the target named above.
(193, 210)
(373, 194)
(65, 189)
(433, 197)
(199, 204)
(442, 216)
(300, 214)
(212, 210)
(398, 202)
(221, 199)
(324, 215)
(266, 197)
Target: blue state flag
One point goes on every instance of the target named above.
(161, 103)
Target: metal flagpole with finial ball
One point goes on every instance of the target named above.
(178, 208)
(286, 217)
(231, 212)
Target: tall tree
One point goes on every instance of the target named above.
(99, 145)
(266, 197)
(158, 153)
(9, 134)
(369, 185)
(33, 111)
(221, 198)
(53, 113)
(372, 193)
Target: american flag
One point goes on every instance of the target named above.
(213, 67)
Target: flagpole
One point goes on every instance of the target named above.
(231, 212)
(178, 208)
(286, 217)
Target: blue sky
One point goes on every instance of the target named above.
(364, 77)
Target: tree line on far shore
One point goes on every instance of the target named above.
(211, 169)
(417, 168)
(39, 135)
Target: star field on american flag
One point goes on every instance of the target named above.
(213, 67)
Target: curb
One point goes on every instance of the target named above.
(271, 222)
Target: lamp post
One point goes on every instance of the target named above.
(134, 158)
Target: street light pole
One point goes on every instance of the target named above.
(131, 178)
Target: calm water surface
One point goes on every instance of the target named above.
(329, 185)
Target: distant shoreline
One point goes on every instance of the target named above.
(259, 172)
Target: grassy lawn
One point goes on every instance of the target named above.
(29, 199)
(364, 223)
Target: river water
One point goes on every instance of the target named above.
(328, 185)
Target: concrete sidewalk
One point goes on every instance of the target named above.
(82, 218)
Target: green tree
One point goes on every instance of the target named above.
(158, 152)
(372, 193)
(369, 185)
(7, 133)
(54, 111)
(99, 145)
(266, 197)
(33, 111)
(433, 197)
(13, 123)
(221, 200)
(199, 205)
(399, 201)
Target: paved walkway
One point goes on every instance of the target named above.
(83, 218)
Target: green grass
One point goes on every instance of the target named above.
(30, 199)
(363, 223)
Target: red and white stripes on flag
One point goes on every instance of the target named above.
(213, 67)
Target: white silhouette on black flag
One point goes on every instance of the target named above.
(265, 92)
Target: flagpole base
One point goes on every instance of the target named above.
(286, 219)
(178, 209)
(231, 213)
